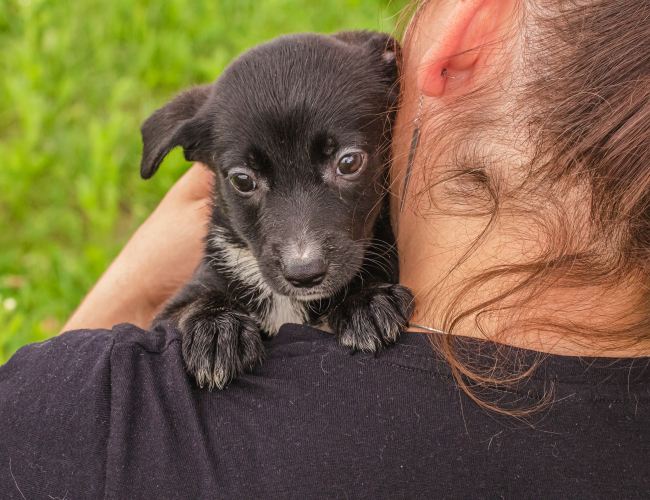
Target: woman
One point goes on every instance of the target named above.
(525, 222)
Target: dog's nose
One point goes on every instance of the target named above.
(305, 273)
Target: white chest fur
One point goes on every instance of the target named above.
(282, 310)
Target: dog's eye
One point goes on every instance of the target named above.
(350, 164)
(243, 183)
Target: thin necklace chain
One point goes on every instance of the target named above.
(428, 328)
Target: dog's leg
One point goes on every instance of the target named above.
(219, 339)
(372, 317)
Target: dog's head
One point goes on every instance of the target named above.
(297, 131)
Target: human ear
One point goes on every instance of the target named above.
(178, 123)
(464, 46)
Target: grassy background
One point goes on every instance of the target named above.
(76, 81)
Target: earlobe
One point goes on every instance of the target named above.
(461, 49)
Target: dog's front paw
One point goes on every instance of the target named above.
(218, 346)
(373, 317)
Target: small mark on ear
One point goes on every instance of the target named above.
(444, 74)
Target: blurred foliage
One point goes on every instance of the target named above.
(76, 81)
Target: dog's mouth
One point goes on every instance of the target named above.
(329, 285)
(322, 290)
(312, 296)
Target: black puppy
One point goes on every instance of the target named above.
(297, 131)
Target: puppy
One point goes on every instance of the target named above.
(297, 132)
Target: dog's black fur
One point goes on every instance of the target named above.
(312, 242)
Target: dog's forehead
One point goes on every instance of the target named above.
(299, 66)
(296, 87)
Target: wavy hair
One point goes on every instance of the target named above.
(580, 106)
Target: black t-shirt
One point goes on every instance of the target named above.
(112, 414)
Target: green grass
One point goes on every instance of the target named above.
(76, 81)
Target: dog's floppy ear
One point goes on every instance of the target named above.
(384, 46)
(177, 123)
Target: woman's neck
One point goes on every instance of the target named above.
(479, 290)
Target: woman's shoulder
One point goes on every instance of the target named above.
(114, 413)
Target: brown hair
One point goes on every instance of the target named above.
(581, 102)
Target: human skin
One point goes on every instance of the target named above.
(434, 238)
(163, 252)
